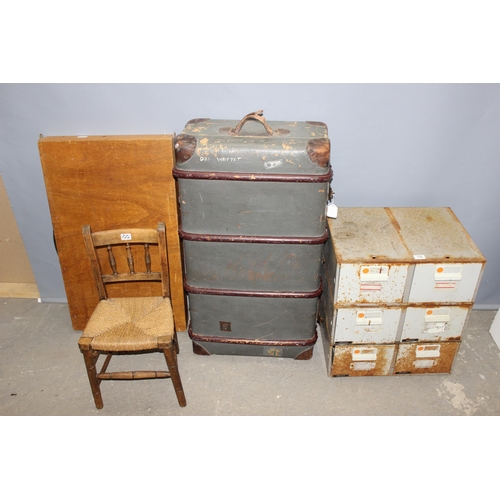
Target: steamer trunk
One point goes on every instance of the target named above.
(252, 197)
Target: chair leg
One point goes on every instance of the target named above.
(90, 358)
(171, 358)
(176, 343)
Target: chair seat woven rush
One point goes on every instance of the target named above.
(123, 324)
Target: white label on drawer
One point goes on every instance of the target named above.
(368, 317)
(448, 272)
(363, 365)
(374, 273)
(372, 288)
(445, 284)
(424, 363)
(419, 257)
(364, 354)
(441, 314)
(428, 351)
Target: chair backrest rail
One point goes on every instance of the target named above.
(127, 238)
(115, 278)
(121, 236)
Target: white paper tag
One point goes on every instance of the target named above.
(331, 211)
(424, 363)
(125, 236)
(363, 365)
(419, 257)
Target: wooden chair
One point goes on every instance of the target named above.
(129, 325)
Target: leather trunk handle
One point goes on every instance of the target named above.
(256, 115)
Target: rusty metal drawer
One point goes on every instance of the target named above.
(362, 360)
(445, 282)
(370, 283)
(447, 265)
(365, 259)
(421, 358)
(367, 325)
(435, 323)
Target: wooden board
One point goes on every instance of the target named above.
(16, 276)
(110, 182)
(19, 290)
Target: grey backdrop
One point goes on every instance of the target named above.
(392, 145)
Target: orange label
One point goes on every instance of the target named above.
(440, 269)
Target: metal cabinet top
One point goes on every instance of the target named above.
(253, 145)
(435, 234)
(366, 235)
(402, 234)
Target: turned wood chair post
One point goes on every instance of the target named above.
(90, 357)
(170, 354)
(96, 265)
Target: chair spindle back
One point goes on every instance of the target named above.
(127, 238)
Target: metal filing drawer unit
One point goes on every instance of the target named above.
(399, 284)
(252, 197)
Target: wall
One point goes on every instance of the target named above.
(392, 145)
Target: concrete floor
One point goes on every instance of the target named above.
(42, 373)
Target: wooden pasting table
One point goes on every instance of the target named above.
(110, 182)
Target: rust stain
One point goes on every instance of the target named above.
(467, 235)
(196, 121)
(259, 276)
(316, 123)
(407, 361)
(342, 365)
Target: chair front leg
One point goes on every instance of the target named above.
(171, 359)
(176, 343)
(90, 357)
